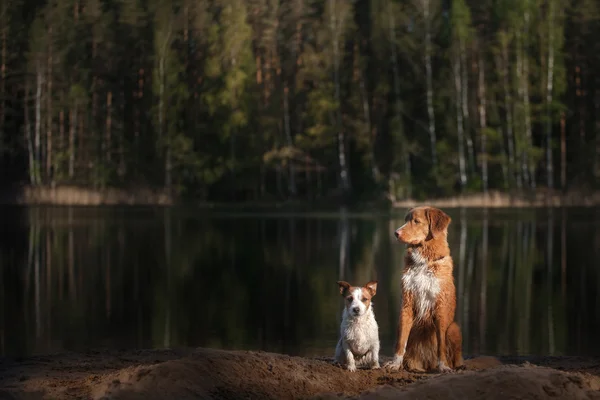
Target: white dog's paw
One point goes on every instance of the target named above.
(352, 368)
(375, 365)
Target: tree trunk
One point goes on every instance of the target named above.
(549, 87)
(483, 121)
(49, 171)
(508, 109)
(3, 61)
(459, 121)
(398, 99)
(108, 135)
(336, 30)
(563, 153)
(520, 170)
(72, 131)
(38, 123)
(528, 134)
(162, 100)
(61, 135)
(429, 79)
(597, 126)
(30, 149)
(121, 171)
(464, 79)
(288, 138)
(92, 127)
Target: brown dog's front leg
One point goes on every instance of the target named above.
(405, 324)
(441, 326)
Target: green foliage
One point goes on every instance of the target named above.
(214, 94)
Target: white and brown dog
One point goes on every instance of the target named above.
(359, 333)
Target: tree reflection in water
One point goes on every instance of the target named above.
(79, 278)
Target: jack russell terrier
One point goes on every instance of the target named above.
(359, 333)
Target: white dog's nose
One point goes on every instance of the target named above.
(356, 310)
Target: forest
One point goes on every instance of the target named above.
(235, 100)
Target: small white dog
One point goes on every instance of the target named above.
(359, 333)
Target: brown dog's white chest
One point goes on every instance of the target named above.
(422, 284)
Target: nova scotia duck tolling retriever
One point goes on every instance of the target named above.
(427, 338)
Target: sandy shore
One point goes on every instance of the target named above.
(218, 374)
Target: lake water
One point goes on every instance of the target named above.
(528, 281)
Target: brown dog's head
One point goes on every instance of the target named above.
(422, 224)
(357, 299)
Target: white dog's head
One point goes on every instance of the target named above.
(357, 299)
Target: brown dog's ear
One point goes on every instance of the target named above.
(372, 287)
(344, 286)
(438, 221)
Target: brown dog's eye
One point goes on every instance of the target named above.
(417, 221)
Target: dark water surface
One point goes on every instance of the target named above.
(528, 281)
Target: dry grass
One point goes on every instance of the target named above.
(77, 196)
(495, 199)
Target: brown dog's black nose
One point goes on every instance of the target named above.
(396, 234)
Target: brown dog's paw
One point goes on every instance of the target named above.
(444, 369)
(393, 366)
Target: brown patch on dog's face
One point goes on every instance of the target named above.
(344, 287)
(421, 224)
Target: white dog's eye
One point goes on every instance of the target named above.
(364, 299)
(349, 299)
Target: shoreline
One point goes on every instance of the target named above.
(81, 196)
(231, 374)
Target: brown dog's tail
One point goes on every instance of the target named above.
(454, 346)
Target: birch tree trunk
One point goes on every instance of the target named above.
(508, 110)
(288, 138)
(72, 131)
(482, 121)
(519, 154)
(397, 95)
(49, 112)
(108, 135)
(464, 79)
(549, 86)
(526, 102)
(459, 121)
(429, 79)
(38, 122)
(162, 101)
(563, 152)
(30, 149)
(336, 27)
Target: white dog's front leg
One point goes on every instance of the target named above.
(375, 356)
(350, 363)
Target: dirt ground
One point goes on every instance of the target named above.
(217, 374)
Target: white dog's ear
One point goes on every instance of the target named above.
(372, 287)
(344, 287)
